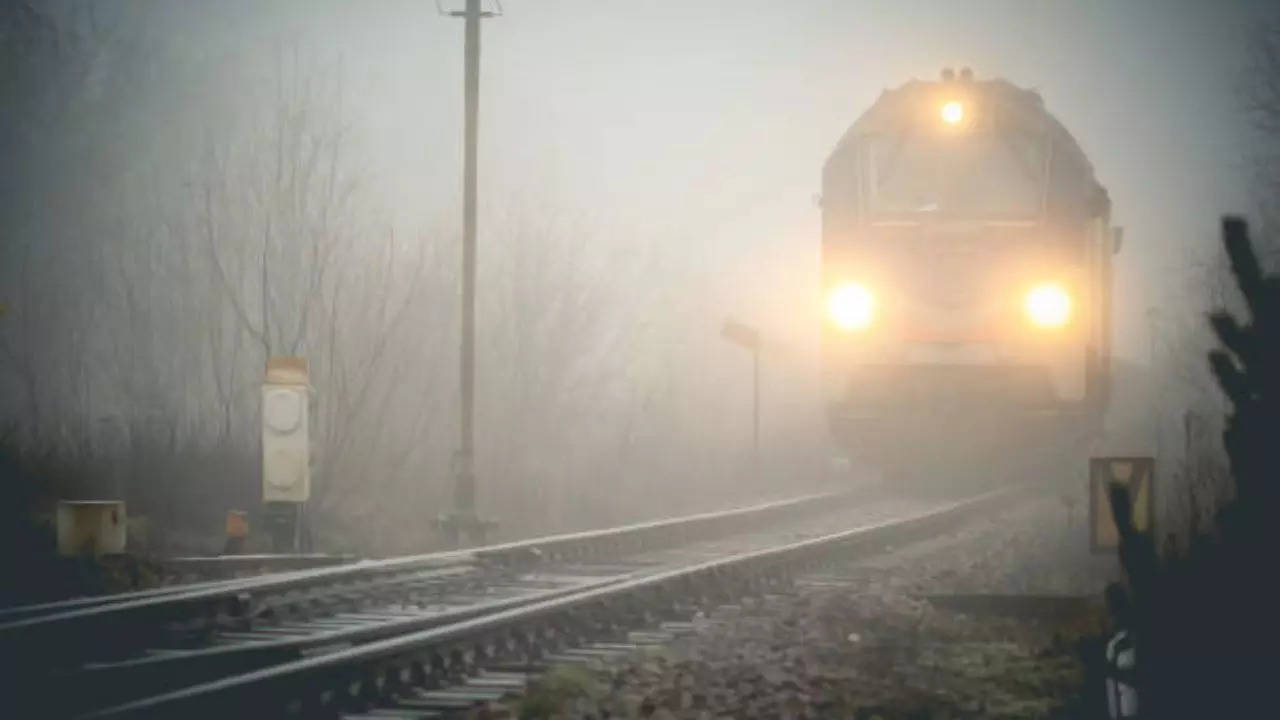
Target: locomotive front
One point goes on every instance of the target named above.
(966, 254)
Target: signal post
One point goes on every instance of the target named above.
(286, 449)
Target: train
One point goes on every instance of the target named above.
(966, 255)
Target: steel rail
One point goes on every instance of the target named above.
(217, 571)
(65, 639)
(13, 613)
(354, 679)
(222, 566)
(118, 682)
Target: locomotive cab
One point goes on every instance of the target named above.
(966, 254)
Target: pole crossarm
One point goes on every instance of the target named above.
(463, 13)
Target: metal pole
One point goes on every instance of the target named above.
(747, 337)
(464, 495)
(1153, 316)
(755, 406)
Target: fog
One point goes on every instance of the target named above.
(192, 187)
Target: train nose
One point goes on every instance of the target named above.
(950, 298)
(950, 279)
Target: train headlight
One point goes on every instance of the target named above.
(1048, 305)
(953, 112)
(851, 307)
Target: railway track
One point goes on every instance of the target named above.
(184, 574)
(453, 666)
(135, 646)
(474, 648)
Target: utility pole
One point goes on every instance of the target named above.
(464, 525)
(1153, 331)
(748, 338)
(755, 405)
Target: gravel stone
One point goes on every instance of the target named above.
(863, 641)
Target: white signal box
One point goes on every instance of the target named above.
(286, 444)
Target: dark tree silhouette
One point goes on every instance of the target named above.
(1205, 619)
(1248, 370)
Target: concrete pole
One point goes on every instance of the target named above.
(755, 407)
(464, 497)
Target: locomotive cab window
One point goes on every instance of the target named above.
(978, 175)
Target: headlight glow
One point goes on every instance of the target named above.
(1048, 305)
(952, 112)
(851, 307)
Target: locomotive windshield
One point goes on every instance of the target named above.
(975, 175)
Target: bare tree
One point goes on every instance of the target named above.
(1260, 100)
(1187, 406)
(150, 266)
(303, 271)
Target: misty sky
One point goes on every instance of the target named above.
(698, 129)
